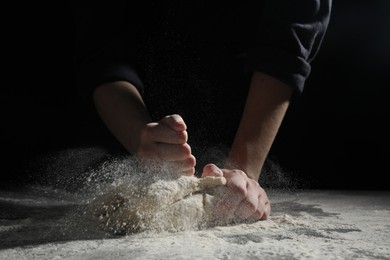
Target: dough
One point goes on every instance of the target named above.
(180, 203)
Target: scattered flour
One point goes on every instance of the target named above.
(122, 198)
(170, 204)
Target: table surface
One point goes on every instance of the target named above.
(305, 224)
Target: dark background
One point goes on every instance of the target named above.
(336, 135)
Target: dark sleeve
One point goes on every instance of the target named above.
(289, 38)
(103, 51)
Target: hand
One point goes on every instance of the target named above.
(167, 140)
(244, 200)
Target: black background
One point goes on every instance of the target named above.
(336, 135)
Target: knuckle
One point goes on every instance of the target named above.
(252, 207)
(186, 149)
(190, 162)
(176, 117)
(254, 185)
(241, 192)
(182, 136)
(239, 172)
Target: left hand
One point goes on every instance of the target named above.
(245, 199)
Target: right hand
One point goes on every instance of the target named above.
(166, 140)
(244, 200)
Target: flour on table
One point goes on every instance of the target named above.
(173, 204)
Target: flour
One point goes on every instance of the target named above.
(50, 223)
(173, 203)
(303, 225)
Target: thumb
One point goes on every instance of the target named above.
(212, 170)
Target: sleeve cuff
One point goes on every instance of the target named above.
(284, 66)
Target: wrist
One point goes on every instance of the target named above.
(246, 158)
(123, 111)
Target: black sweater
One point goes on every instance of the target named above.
(124, 40)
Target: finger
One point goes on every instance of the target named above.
(188, 172)
(248, 206)
(266, 206)
(165, 152)
(236, 193)
(226, 207)
(162, 133)
(263, 210)
(173, 152)
(186, 165)
(210, 182)
(212, 170)
(175, 122)
(267, 212)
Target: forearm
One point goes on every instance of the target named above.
(123, 111)
(266, 105)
